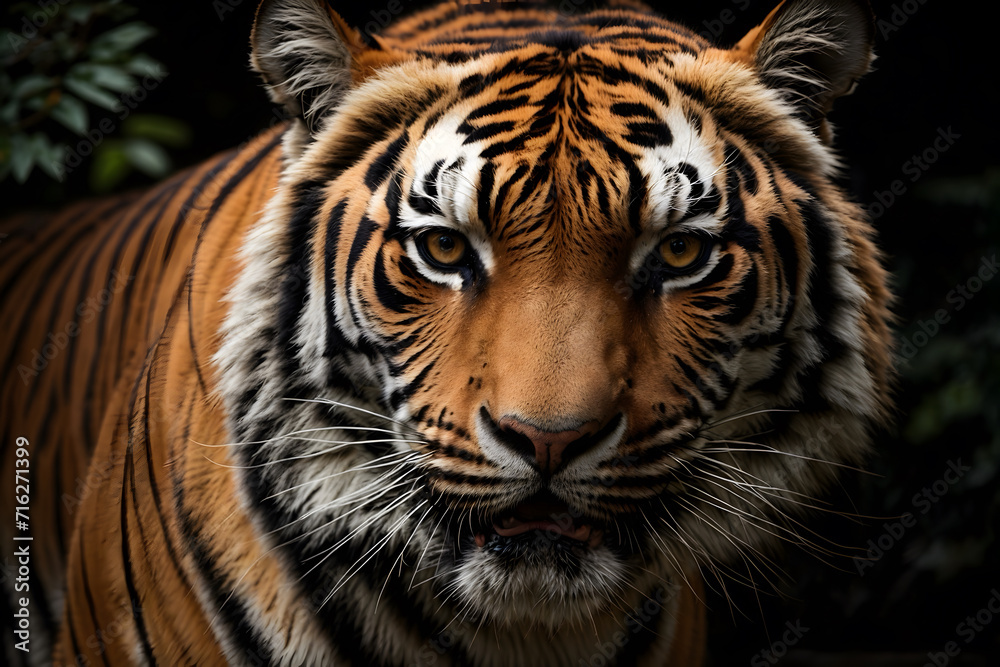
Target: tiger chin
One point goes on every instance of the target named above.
(524, 320)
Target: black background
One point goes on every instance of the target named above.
(935, 72)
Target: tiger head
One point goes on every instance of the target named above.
(550, 308)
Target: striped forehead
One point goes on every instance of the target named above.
(496, 163)
(445, 180)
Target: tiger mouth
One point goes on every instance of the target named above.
(539, 518)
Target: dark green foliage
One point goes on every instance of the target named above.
(71, 77)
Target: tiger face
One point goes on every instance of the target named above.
(549, 310)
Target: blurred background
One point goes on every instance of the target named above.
(97, 97)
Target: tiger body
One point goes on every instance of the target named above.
(283, 427)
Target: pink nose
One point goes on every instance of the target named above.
(550, 449)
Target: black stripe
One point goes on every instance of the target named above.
(75, 641)
(59, 259)
(224, 193)
(697, 380)
(737, 229)
(633, 109)
(61, 229)
(127, 472)
(485, 194)
(336, 342)
(365, 231)
(742, 301)
(154, 489)
(89, 595)
(458, 478)
(504, 189)
(707, 203)
(787, 253)
(102, 321)
(697, 189)
(431, 180)
(55, 401)
(636, 196)
(821, 293)
(617, 75)
(385, 161)
(424, 204)
(402, 394)
(97, 251)
(393, 197)
(736, 160)
(485, 132)
(387, 294)
(231, 608)
(138, 261)
(196, 192)
(538, 174)
(296, 274)
(645, 628)
(498, 106)
(649, 135)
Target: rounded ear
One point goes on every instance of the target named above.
(812, 51)
(309, 57)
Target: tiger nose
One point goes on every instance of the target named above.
(549, 449)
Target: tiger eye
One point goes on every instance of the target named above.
(444, 248)
(681, 250)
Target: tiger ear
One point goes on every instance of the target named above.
(812, 51)
(309, 57)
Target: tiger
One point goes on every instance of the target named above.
(527, 323)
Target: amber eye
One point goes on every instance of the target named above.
(444, 248)
(681, 251)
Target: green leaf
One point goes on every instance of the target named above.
(161, 129)
(79, 13)
(22, 156)
(65, 46)
(10, 43)
(109, 167)
(72, 113)
(9, 112)
(32, 84)
(4, 156)
(144, 65)
(147, 157)
(120, 40)
(50, 157)
(111, 77)
(116, 11)
(91, 93)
